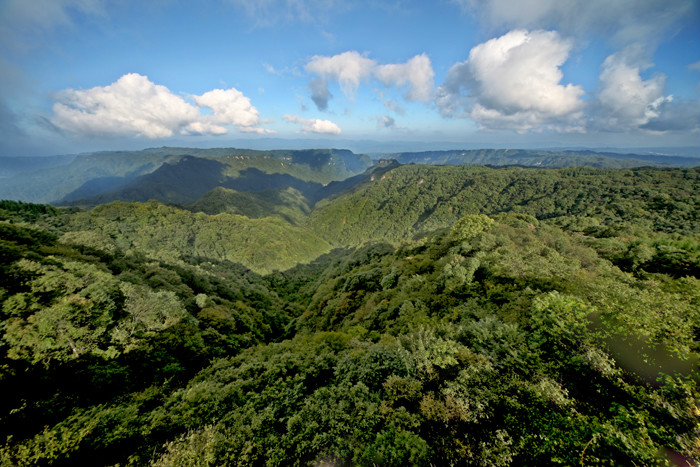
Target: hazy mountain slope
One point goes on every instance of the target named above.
(185, 179)
(91, 172)
(411, 199)
(106, 176)
(169, 234)
(179, 181)
(542, 158)
(11, 166)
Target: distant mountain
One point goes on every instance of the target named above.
(11, 166)
(184, 175)
(166, 174)
(187, 178)
(86, 175)
(543, 158)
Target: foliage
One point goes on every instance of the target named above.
(543, 158)
(410, 200)
(497, 317)
(167, 233)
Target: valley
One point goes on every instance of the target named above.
(181, 307)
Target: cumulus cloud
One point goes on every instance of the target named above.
(135, 106)
(348, 68)
(513, 82)
(628, 102)
(313, 125)
(231, 107)
(351, 68)
(628, 21)
(417, 73)
(320, 93)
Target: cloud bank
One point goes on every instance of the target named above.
(135, 106)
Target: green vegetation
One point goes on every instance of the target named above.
(544, 158)
(286, 203)
(170, 234)
(410, 200)
(467, 316)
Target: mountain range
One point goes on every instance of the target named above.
(181, 175)
(181, 307)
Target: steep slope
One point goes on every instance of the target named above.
(286, 203)
(409, 200)
(179, 181)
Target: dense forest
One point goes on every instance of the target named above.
(410, 315)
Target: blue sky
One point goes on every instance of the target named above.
(84, 75)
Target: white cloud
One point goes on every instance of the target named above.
(313, 125)
(348, 68)
(134, 106)
(351, 68)
(626, 21)
(417, 73)
(513, 82)
(628, 102)
(203, 128)
(131, 105)
(231, 107)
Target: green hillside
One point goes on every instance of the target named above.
(419, 315)
(288, 204)
(543, 158)
(170, 234)
(409, 200)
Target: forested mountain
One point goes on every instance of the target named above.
(180, 174)
(407, 200)
(409, 315)
(543, 158)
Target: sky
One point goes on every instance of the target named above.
(89, 75)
